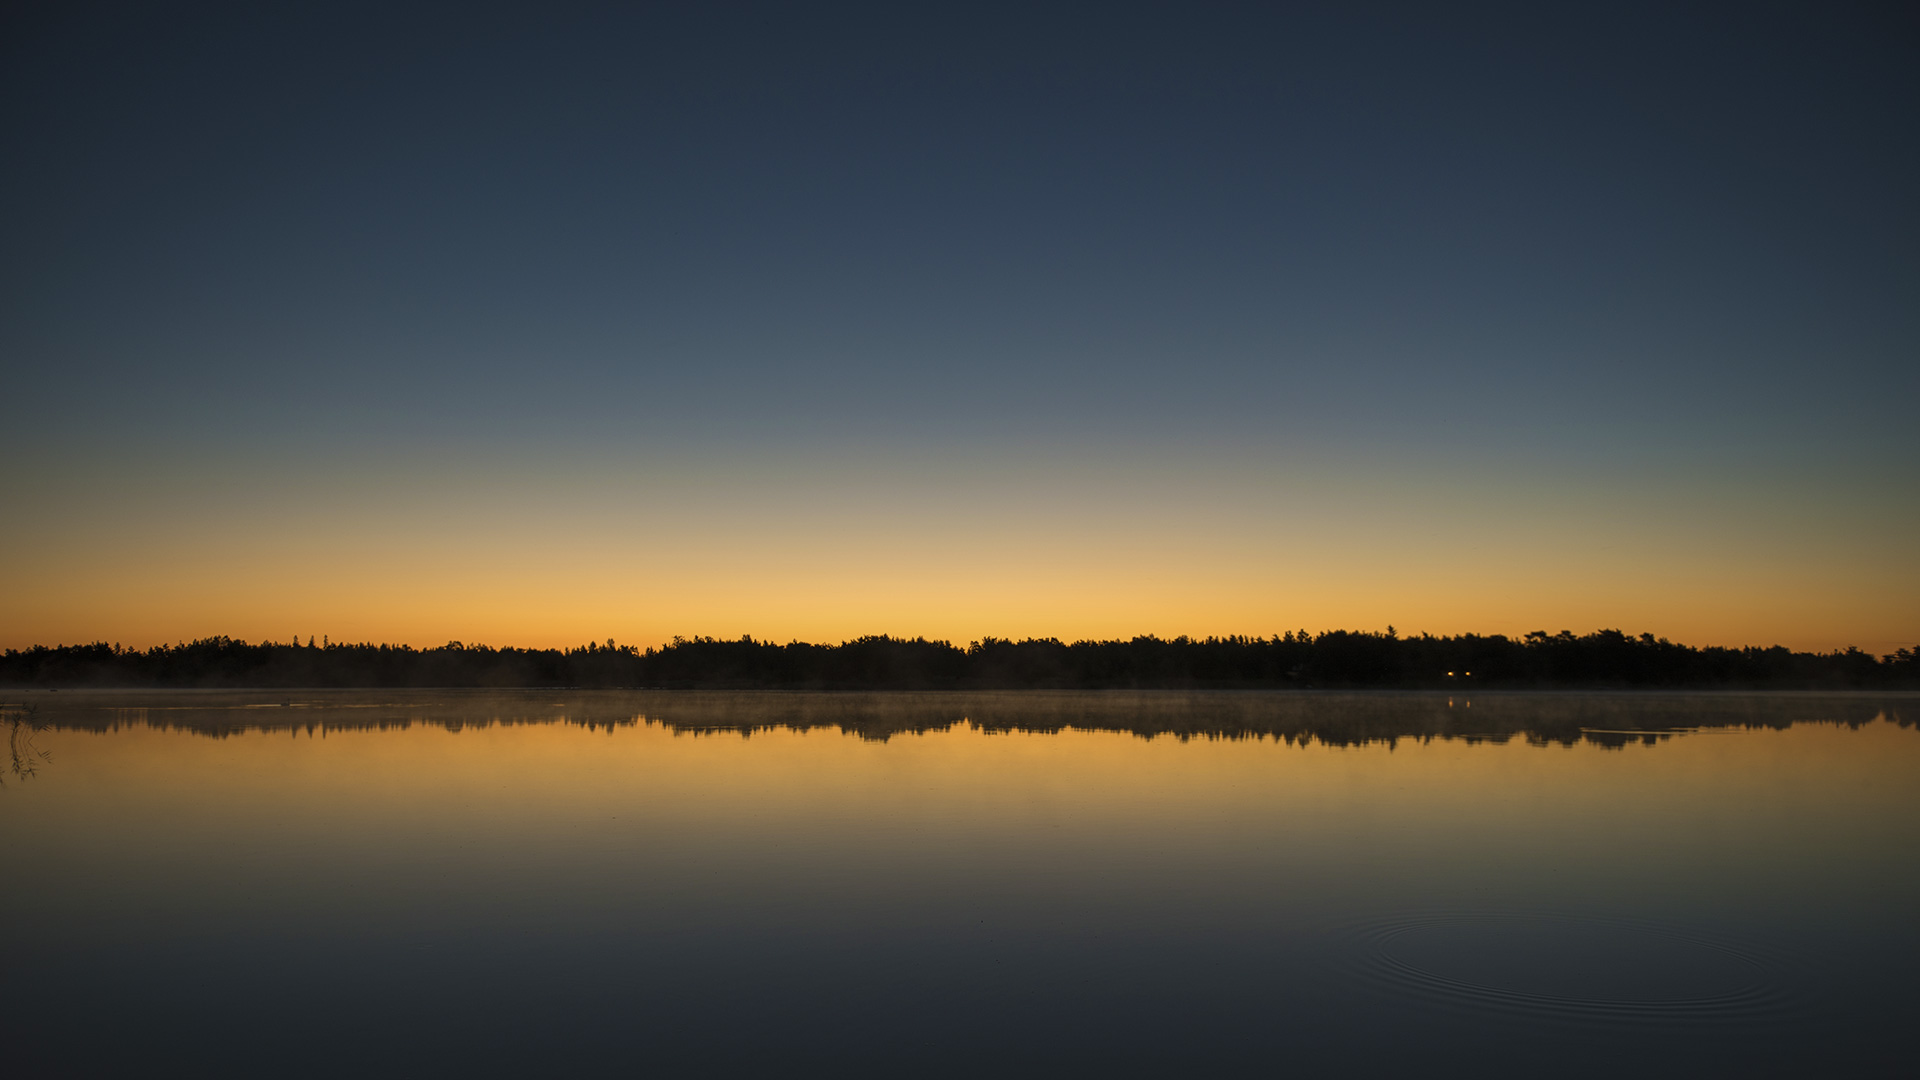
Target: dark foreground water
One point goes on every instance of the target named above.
(454, 883)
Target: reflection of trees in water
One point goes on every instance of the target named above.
(1334, 719)
(1610, 720)
(22, 725)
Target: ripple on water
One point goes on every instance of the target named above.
(1574, 967)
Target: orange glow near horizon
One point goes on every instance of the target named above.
(561, 598)
(951, 555)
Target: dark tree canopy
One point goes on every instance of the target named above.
(1335, 658)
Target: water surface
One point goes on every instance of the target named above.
(407, 882)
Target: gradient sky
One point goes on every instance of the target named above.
(534, 326)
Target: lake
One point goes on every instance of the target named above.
(585, 882)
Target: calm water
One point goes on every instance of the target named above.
(422, 882)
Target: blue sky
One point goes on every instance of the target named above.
(1622, 269)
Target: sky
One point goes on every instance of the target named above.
(552, 323)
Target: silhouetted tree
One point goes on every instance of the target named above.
(1333, 659)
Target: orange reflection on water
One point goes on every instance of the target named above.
(488, 798)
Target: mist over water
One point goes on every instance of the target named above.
(397, 882)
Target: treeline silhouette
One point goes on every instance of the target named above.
(1297, 659)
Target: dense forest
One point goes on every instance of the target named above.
(1333, 659)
